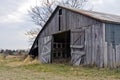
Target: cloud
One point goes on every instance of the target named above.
(97, 2)
(9, 6)
(12, 35)
(16, 11)
(14, 23)
(106, 6)
(12, 18)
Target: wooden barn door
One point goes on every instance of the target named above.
(46, 49)
(77, 46)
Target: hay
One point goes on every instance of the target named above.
(35, 61)
(28, 59)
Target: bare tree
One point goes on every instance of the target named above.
(31, 34)
(40, 14)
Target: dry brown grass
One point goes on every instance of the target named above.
(14, 68)
(19, 62)
(2, 57)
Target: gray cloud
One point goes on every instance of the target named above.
(12, 35)
(9, 6)
(107, 6)
(13, 24)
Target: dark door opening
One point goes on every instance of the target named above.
(61, 47)
(34, 52)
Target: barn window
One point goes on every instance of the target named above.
(60, 11)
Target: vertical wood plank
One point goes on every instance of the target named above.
(105, 46)
(118, 55)
(93, 43)
(101, 44)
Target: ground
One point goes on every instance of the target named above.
(14, 68)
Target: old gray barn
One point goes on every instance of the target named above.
(79, 37)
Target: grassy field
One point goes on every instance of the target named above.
(14, 68)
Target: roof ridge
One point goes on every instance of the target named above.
(104, 17)
(88, 10)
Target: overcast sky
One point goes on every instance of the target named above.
(14, 20)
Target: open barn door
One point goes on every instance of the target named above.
(61, 47)
(45, 49)
(77, 46)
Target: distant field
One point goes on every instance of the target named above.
(14, 68)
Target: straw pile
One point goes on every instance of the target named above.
(28, 59)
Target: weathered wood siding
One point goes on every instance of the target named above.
(85, 32)
(52, 26)
(88, 33)
(76, 20)
(94, 47)
(112, 39)
(44, 49)
(69, 20)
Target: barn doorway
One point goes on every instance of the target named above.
(61, 47)
(34, 52)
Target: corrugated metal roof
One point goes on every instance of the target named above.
(97, 15)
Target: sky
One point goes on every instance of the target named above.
(15, 21)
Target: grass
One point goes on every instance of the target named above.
(66, 70)
(16, 69)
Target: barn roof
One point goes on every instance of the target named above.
(103, 17)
